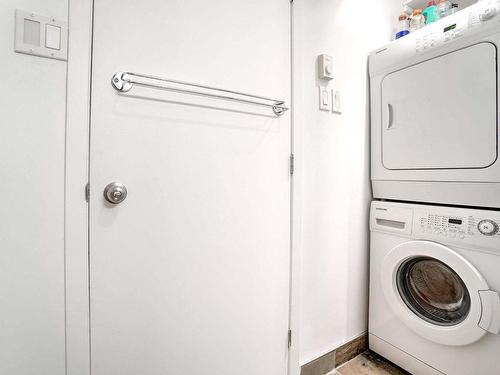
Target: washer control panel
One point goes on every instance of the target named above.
(473, 229)
(456, 225)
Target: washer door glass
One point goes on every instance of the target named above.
(433, 291)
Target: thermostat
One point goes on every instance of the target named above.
(325, 67)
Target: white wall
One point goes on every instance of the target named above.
(335, 170)
(32, 125)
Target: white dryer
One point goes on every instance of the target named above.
(434, 283)
(434, 112)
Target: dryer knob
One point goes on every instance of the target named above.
(487, 227)
(488, 13)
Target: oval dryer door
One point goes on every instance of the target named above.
(435, 292)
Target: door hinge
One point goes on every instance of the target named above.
(87, 192)
(292, 164)
(289, 338)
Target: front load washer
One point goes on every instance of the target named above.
(434, 112)
(434, 283)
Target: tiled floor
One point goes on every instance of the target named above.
(369, 363)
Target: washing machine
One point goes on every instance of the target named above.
(434, 284)
(434, 112)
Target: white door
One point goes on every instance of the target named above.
(442, 113)
(190, 273)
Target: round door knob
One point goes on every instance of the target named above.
(115, 193)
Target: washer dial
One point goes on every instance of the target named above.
(487, 227)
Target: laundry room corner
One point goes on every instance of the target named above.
(264, 187)
(333, 158)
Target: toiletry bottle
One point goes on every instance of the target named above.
(444, 8)
(408, 11)
(431, 13)
(403, 26)
(417, 20)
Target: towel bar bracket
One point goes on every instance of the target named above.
(119, 83)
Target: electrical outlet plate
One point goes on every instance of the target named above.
(41, 36)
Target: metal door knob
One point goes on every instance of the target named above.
(115, 193)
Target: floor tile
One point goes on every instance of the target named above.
(369, 363)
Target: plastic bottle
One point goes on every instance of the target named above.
(407, 10)
(403, 26)
(417, 20)
(431, 13)
(444, 8)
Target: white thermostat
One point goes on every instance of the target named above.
(41, 36)
(325, 67)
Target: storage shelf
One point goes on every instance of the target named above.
(422, 4)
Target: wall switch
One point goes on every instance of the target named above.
(325, 67)
(325, 99)
(42, 36)
(336, 101)
(53, 37)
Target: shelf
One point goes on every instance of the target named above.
(422, 4)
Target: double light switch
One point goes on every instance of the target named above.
(40, 36)
(330, 100)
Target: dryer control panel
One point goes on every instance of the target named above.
(480, 18)
(457, 25)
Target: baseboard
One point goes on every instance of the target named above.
(328, 362)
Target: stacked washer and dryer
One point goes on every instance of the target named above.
(435, 169)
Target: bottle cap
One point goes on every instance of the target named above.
(403, 17)
(431, 3)
(417, 12)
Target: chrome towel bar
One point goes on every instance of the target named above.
(124, 81)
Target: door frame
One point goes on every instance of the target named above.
(77, 211)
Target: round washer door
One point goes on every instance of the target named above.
(434, 291)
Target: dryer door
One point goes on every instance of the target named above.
(437, 293)
(442, 113)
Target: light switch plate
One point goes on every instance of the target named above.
(325, 99)
(336, 101)
(41, 36)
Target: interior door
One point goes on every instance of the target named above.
(442, 113)
(190, 273)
